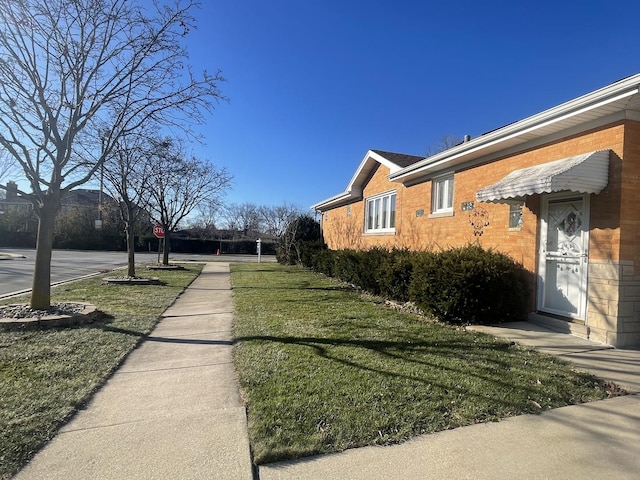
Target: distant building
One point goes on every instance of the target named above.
(17, 211)
(81, 197)
(12, 201)
(16, 204)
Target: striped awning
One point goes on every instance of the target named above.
(586, 173)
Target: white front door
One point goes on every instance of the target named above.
(564, 241)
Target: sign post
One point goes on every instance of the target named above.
(259, 248)
(158, 231)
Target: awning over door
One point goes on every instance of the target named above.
(586, 173)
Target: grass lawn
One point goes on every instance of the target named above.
(323, 368)
(46, 374)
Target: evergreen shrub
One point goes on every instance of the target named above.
(460, 285)
(371, 264)
(309, 249)
(323, 262)
(346, 266)
(395, 273)
(469, 285)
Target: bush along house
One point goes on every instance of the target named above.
(559, 192)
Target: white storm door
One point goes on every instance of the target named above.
(564, 241)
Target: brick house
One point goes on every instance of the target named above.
(557, 191)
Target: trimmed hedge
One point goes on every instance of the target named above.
(469, 285)
(461, 285)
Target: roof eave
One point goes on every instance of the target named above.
(337, 200)
(509, 135)
(353, 192)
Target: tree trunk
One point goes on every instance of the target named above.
(41, 286)
(165, 247)
(131, 238)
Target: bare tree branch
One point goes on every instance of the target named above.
(75, 77)
(178, 184)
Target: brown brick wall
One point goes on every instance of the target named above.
(424, 232)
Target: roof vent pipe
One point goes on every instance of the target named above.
(467, 138)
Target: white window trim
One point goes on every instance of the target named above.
(380, 197)
(435, 182)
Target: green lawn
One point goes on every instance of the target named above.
(46, 374)
(323, 369)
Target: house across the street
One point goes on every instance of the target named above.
(558, 191)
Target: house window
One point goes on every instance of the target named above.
(348, 210)
(443, 194)
(515, 216)
(381, 213)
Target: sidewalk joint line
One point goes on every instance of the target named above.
(168, 369)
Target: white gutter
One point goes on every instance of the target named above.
(332, 201)
(599, 98)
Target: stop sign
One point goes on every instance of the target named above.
(158, 231)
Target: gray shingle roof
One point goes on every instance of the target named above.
(400, 159)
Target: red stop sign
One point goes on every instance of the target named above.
(158, 231)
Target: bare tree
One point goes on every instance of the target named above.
(70, 69)
(206, 223)
(244, 217)
(276, 219)
(445, 143)
(127, 172)
(8, 168)
(178, 184)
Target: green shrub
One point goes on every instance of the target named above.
(469, 285)
(309, 249)
(371, 264)
(395, 274)
(460, 285)
(346, 266)
(322, 262)
(378, 271)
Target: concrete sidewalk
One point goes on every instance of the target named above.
(172, 410)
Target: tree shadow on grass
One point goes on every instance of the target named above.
(450, 358)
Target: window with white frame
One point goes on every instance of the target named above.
(442, 201)
(381, 213)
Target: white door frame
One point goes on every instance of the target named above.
(581, 313)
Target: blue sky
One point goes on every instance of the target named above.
(314, 84)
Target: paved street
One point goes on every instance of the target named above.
(16, 274)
